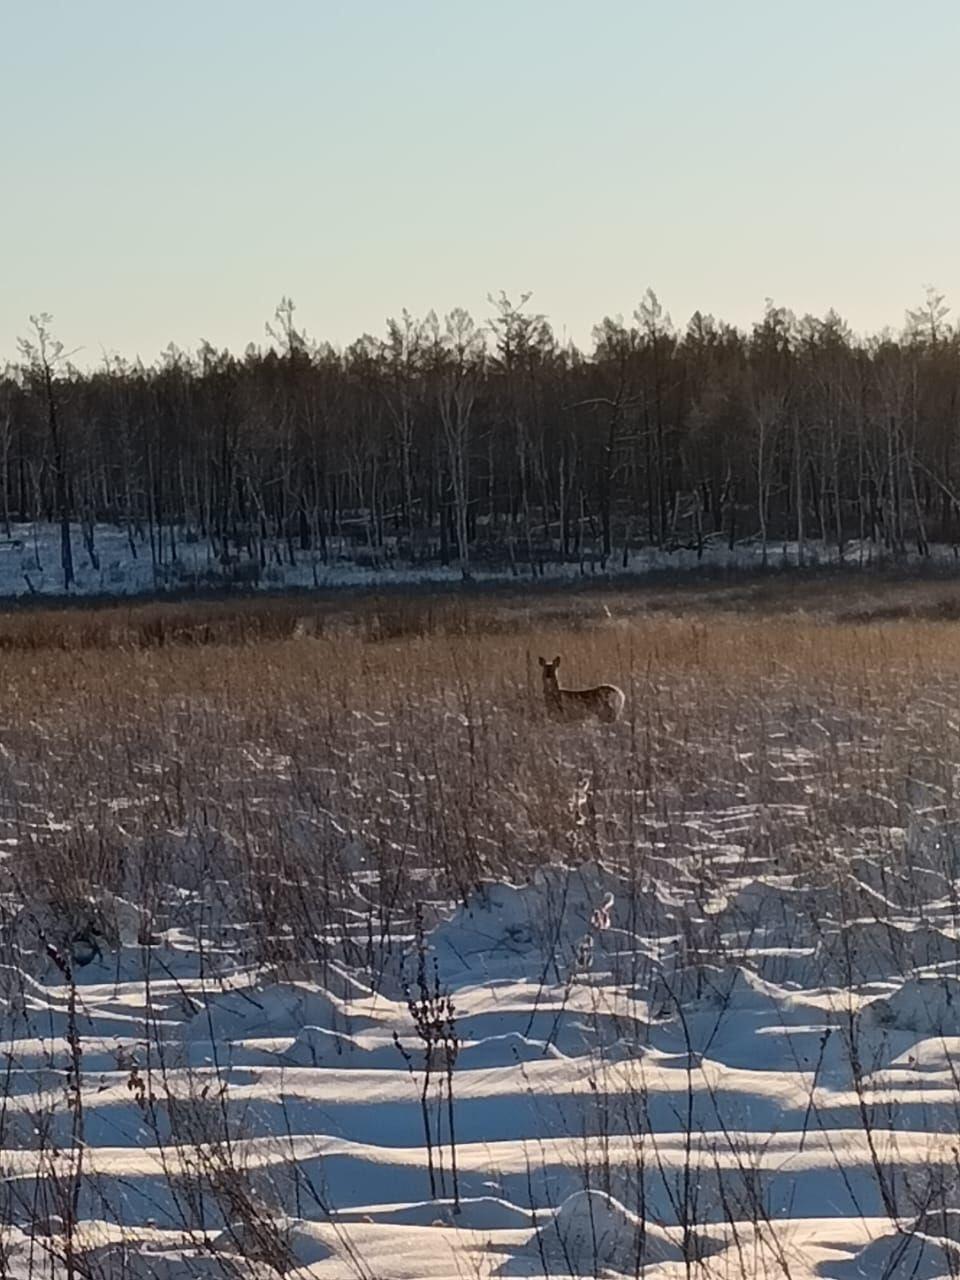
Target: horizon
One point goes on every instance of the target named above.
(171, 187)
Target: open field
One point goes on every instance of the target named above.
(327, 953)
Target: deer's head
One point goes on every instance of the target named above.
(549, 670)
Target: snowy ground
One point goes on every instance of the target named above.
(642, 1079)
(712, 1030)
(30, 564)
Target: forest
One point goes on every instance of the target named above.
(493, 444)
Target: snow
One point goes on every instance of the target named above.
(672, 1059)
(123, 563)
(588, 1104)
(903, 1255)
(592, 1231)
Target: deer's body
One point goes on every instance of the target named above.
(569, 706)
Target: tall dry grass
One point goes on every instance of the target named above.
(496, 608)
(428, 753)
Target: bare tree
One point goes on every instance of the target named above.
(457, 384)
(45, 357)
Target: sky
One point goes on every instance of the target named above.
(171, 170)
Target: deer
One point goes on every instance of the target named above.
(571, 705)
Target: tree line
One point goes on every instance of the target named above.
(466, 443)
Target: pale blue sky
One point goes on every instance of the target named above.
(171, 169)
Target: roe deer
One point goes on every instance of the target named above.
(568, 705)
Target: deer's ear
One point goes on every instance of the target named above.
(556, 662)
(543, 662)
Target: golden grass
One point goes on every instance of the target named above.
(505, 609)
(711, 700)
(275, 754)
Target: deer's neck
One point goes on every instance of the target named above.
(551, 691)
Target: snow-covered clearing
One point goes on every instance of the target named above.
(709, 1025)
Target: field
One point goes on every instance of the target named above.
(326, 953)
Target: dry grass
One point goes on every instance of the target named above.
(297, 794)
(431, 750)
(495, 609)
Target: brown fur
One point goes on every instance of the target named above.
(568, 706)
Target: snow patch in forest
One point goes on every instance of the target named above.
(113, 561)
